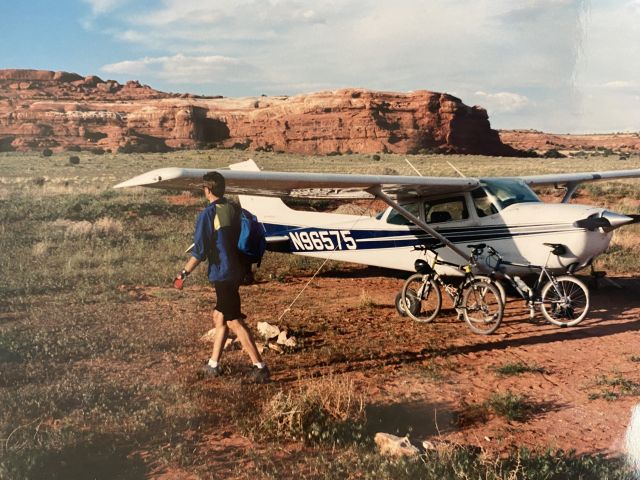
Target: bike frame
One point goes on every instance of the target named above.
(454, 293)
(532, 296)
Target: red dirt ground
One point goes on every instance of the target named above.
(430, 380)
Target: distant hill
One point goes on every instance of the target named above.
(542, 142)
(65, 111)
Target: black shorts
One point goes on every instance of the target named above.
(228, 300)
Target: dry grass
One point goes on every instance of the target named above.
(326, 410)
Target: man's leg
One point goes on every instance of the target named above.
(222, 332)
(246, 339)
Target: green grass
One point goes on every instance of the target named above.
(510, 405)
(614, 387)
(450, 464)
(101, 382)
(517, 368)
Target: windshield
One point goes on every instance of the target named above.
(507, 192)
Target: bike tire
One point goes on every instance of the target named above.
(497, 283)
(421, 298)
(568, 304)
(482, 307)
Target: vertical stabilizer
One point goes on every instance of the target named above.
(267, 209)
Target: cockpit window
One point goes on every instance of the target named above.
(507, 192)
(445, 210)
(483, 204)
(396, 219)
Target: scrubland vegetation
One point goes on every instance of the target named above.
(97, 353)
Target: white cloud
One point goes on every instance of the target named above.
(100, 7)
(182, 69)
(620, 84)
(562, 57)
(502, 102)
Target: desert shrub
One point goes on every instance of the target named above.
(74, 160)
(553, 153)
(325, 411)
(47, 152)
(79, 229)
(510, 406)
(376, 157)
(518, 368)
(107, 226)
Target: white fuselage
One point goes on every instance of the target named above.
(517, 232)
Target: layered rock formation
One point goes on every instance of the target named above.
(541, 141)
(60, 110)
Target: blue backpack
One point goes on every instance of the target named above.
(252, 241)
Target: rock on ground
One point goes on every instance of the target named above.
(393, 446)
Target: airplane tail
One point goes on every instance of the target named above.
(267, 209)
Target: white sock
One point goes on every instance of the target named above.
(260, 364)
(212, 364)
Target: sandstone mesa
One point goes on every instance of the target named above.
(65, 111)
(58, 110)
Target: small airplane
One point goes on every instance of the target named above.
(443, 212)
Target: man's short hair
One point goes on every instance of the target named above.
(215, 183)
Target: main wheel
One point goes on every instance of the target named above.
(421, 298)
(566, 303)
(482, 307)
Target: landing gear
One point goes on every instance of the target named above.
(598, 276)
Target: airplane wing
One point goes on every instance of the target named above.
(577, 178)
(251, 181)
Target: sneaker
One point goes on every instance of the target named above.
(210, 371)
(261, 375)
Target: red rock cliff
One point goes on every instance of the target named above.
(60, 110)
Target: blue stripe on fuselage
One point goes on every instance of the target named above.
(313, 239)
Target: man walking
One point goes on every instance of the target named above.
(216, 239)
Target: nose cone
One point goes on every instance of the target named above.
(606, 220)
(616, 220)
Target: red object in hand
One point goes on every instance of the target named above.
(178, 282)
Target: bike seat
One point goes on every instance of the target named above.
(478, 246)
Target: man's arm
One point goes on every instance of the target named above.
(202, 241)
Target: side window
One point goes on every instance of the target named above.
(445, 210)
(482, 203)
(396, 219)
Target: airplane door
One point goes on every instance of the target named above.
(447, 213)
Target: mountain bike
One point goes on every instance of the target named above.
(476, 299)
(563, 300)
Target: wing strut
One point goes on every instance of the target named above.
(377, 191)
(572, 187)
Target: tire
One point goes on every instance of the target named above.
(497, 283)
(423, 298)
(482, 307)
(567, 305)
(400, 305)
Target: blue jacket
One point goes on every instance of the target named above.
(216, 239)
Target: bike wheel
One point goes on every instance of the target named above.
(497, 283)
(482, 307)
(566, 303)
(421, 298)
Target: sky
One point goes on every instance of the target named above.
(562, 66)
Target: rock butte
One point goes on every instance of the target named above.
(59, 110)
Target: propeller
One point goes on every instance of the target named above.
(606, 220)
